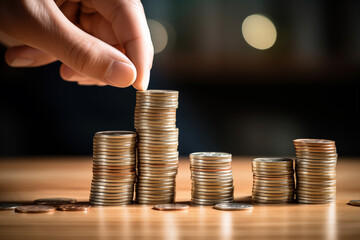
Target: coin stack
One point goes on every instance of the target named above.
(273, 180)
(155, 117)
(212, 180)
(114, 173)
(315, 170)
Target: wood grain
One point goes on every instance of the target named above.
(28, 179)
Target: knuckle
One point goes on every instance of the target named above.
(135, 4)
(78, 55)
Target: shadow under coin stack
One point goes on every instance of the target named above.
(155, 118)
(114, 173)
(315, 170)
(212, 180)
(273, 180)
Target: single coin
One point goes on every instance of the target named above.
(54, 201)
(171, 207)
(34, 209)
(9, 205)
(313, 141)
(115, 134)
(355, 202)
(233, 206)
(207, 155)
(74, 207)
(272, 160)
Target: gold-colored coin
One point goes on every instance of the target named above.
(74, 207)
(34, 209)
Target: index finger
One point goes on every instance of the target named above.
(131, 30)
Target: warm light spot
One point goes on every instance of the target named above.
(259, 32)
(159, 35)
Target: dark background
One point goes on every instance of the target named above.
(233, 97)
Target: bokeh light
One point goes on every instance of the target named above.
(159, 35)
(259, 32)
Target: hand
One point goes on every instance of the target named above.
(100, 42)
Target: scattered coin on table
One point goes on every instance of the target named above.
(9, 205)
(34, 209)
(74, 207)
(54, 201)
(354, 202)
(171, 207)
(233, 206)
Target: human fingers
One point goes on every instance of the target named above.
(131, 30)
(25, 56)
(43, 26)
(70, 75)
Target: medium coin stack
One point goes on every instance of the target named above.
(114, 161)
(155, 117)
(315, 170)
(273, 180)
(212, 180)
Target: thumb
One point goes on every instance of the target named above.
(50, 31)
(91, 57)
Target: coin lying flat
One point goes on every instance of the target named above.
(54, 201)
(34, 209)
(354, 202)
(233, 206)
(171, 207)
(9, 205)
(74, 207)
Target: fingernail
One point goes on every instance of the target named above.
(146, 81)
(21, 62)
(67, 72)
(120, 74)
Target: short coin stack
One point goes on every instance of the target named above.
(114, 160)
(273, 180)
(212, 180)
(315, 170)
(155, 118)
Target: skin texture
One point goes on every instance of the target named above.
(101, 43)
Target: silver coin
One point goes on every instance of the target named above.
(210, 155)
(115, 134)
(355, 202)
(9, 205)
(171, 207)
(54, 201)
(233, 206)
(272, 160)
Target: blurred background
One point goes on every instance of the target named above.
(253, 75)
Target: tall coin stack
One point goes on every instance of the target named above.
(114, 173)
(315, 170)
(273, 180)
(155, 117)
(212, 180)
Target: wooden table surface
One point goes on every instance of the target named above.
(29, 179)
